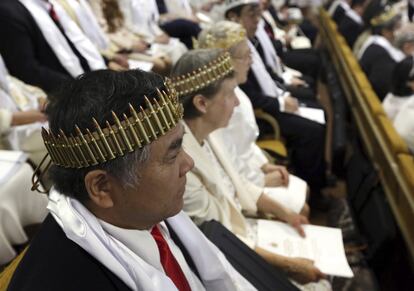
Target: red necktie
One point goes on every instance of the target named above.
(53, 13)
(168, 262)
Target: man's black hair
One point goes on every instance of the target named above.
(238, 9)
(96, 95)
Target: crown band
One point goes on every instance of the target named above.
(211, 41)
(203, 77)
(384, 17)
(123, 136)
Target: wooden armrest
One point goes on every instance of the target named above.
(260, 114)
(7, 274)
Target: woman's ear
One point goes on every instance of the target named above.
(200, 103)
(100, 188)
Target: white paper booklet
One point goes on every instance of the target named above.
(142, 65)
(293, 195)
(314, 114)
(10, 162)
(323, 245)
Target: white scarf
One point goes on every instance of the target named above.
(179, 7)
(266, 83)
(82, 227)
(354, 16)
(89, 23)
(394, 53)
(270, 54)
(335, 5)
(39, 9)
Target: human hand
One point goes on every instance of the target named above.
(121, 60)
(291, 104)
(296, 220)
(27, 117)
(140, 46)
(275, 175)
(162, 39)
(304, 271)
(42, 101)
(298, 82)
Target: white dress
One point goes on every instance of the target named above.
(19, 207)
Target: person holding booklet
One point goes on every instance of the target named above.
(205, 81)
(242, 131)
(304, 137)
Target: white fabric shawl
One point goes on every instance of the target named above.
(394, 53)
(82, 227)
(270, 54)
(266, 83)
(88, 23)
(39, 9)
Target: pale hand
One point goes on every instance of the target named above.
(304, 271)
(291, 104)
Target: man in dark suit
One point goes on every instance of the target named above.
(116, 220)
(27, 53)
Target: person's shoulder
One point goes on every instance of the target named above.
(54, 262)
(12, 10)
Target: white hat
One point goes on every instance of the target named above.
(230, 4)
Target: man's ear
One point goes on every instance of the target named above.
(200, 103)
(100, 188)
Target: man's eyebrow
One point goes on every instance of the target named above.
(176, 144)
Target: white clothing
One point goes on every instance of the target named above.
(396, 54)
(404, 123)
(181, 8)
(393, 104)
(335, 5)
(141, 17)
(271, 57)
(240, 137)
(19, 207)
(115, 253)
(39, 9)
(17, 96)
(266, 83)
(148, 250)
(88, 23)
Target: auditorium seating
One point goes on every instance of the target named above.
(385, 150)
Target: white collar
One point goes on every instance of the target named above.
(354, 16)
(381, 41)
(82, 227)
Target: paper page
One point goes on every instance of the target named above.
(313, 114)
(323, 245)
(293, 196)
(135, 64)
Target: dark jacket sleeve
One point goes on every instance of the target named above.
(259, 100)
(378, 66)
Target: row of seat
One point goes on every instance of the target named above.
(387, 151)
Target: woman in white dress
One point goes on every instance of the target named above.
(214, 188)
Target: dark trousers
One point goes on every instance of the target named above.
(182, 29)
(306, 61)
(306, 142)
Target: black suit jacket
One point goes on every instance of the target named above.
(54, 262)
(378, 66)
(350, 29)
(26, 52)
